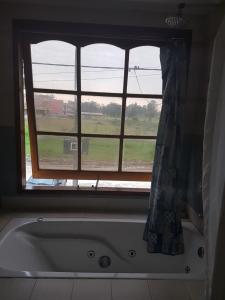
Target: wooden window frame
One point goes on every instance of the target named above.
(79, 35)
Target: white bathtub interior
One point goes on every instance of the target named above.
(65, 248)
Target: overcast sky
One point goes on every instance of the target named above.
(93, 77)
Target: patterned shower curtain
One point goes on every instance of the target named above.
(163, 230)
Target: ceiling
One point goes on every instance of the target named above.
(155, 2)
(196, 6)
(202, 2)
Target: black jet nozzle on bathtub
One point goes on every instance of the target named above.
(104, 261)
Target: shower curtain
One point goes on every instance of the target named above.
(163, 230)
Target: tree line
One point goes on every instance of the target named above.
(114, 110)
(148, 110)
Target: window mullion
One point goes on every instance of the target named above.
(78, 73)
(126, 65)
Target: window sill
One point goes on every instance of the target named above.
(85, 190)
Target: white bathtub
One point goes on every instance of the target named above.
(72, 248)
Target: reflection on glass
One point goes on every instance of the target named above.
(144, 76)
(142, 116)
(102, 68)
(101, 115)
(55, 112)
(99, 154)
(53, 65)
(138, 155)
(57, 152)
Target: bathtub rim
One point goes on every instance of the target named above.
(17, 222)
(84, 275)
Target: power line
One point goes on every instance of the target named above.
(53, 73)
(97, 67)
(99, 78)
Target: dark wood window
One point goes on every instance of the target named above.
(93, 100)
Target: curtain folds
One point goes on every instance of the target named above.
(163, 230)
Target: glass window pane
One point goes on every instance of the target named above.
(99, 154)
(101, 115)
(53, 65)
(102, 68)
(142, 116)
(57, 152)
(138, 155)
(144, 76)
(55, 112)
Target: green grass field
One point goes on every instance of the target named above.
(52, 147)
(27, 140)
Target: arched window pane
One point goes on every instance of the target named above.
(144, 76)
(53, 65)
(102, 68)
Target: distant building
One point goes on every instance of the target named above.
(46, 105)
(85, 113)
